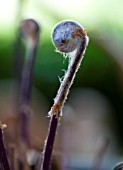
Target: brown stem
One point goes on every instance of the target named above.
(25, 95)
(29, 30)
(3, 156)
(59, 102)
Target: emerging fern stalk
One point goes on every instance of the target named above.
(68, 37)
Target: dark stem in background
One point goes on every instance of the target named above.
(77, 33)
(29, 30)
(4, 163)
(25, 93)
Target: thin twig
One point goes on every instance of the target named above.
(4, 163)
(30, 31)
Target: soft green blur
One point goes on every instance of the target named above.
(100, 18)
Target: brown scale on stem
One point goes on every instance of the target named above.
(55, 108)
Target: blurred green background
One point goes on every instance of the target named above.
(102, 66)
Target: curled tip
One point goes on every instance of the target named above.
(29, 29)
(67, 36)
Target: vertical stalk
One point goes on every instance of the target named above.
(63, 44)
(4, 163)
(29, 30)
(48, 148)
(25, 93)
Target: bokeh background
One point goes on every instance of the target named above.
(90, 131)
